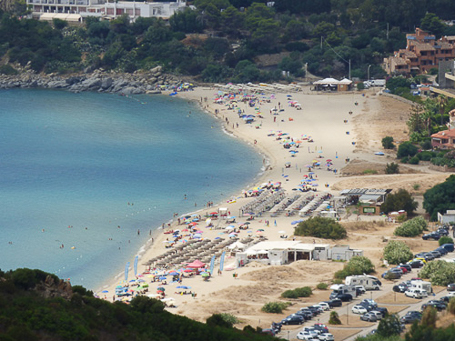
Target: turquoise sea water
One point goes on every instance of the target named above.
(89, 170)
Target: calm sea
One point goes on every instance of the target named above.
(88, 171)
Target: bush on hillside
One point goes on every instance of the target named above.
(445, 240)
(322, 286)
(392, 168)
(274, 307)
(396, 252)
(334, 318)
(387, 142)
(406, 149)
(439, 272)
(321, 228)
(296, 293)
(401, 200)
(411, 228)
(357, 265)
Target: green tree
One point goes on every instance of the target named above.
(439, 272)
(334, 318)
(445, 240)
(429, 317)
(389, 326)
(387, 142)
(411, 228)
(357, 265)
(397, 252)
(217, 320)
(401, 200)
(440, 198)
(431, 23)
(321, 228)
(406, 149)
(397, 82)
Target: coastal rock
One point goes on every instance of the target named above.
(57, 84)
(91, 83)
(130, 90)
(107, 83)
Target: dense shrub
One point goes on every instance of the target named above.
(411, 228)
(445, 240)
(406, 149)
(440, 198)
(334, 318)
(321, 228)
(387, 142)
(274, 307)
(451, 306)
(7, 70)
(223, 320)
(322, 286)
(405, 159)
(426, 145)
(396, 252)
(392, 168)
(425, 155)
(414, 160)
(439, 272)
(296, 293)
(389, 326)
(357, 265)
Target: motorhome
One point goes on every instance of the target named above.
(422, 285)
(339, 289)
(369, 282)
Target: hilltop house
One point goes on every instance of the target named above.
(76, 10)
(422, 53)
(445, 139)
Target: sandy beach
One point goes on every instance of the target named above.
(345, 128)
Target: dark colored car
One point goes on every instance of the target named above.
(416, 264)
(391, 275)
(406, 266)
(431, 235)
(382, 310)
(344, 297)
(293, 319)
(442, 251)
(322, 327)
(314, 310)
(428, 256)
(438, 305)
(451, 287)
(306, 314)
(445, 299)
(336, 302)
(436, 253)
(449, 247)
(411, 316)
(442, 232)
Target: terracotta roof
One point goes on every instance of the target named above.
(424, 47)
(444, 134)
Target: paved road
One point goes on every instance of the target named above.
(290, 332)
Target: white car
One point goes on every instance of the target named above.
(326, 337)
(324, 305)
(451, 294)
(311, 330)
(416, 293)
(306, 335)
(358, 309)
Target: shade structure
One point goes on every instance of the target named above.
(196, 264)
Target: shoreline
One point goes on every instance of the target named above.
(268, 171)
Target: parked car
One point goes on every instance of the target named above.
(411, 316)
(326, 337)
(322, 327)
(432, 235)
(360, 290)
(369, 301)
(306, 314)
(306, 335)
(442, 251)
(429, 256)
(399, 270)
(344, 297)
(391, 275)
(293, 319)
(451, 287)
(416, 263)
(368, 317)
(324, 305)
(268, 331)
(358, 309)
(442, 231)
(382, 310)
(438, 305)
(406, 266)
(445, 299)
(449, 247)
(336, 302)
(377, 313)
(416, 293)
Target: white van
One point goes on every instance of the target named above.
(423, 285)
(416, 293)
(369, 282)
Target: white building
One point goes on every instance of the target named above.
(447, 218)
(104, 9)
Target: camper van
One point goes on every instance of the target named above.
(341, 289)
(368, 282)
(422, 285)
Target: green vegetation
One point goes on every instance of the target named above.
(322, 286)
(411, 228)
(440, 198)
(445, 240)
(334, 318)
(387, 142)
(406, 149)
(296, 293)
(26, 314)
(357, 265)
(397, 252)
(401, 200)
(451, 306)
(321, 228)
(392, 168)
(222, 320)
(370, 171)
(439, 272)
(389, 326)
(274, 307)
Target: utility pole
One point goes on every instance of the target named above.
(349, 69)
(368, 73)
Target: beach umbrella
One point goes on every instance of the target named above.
(119, 287)
(260, 230)
(197, 235)
(161, 289)
(173, 273)
(281, 232)
(296, 221)
(104, 291)
(230, 227)
(205, 274)
(188, 270)
(328, 160)
(162, 278)
(141, 280)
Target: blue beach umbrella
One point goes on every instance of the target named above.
(104, 291)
